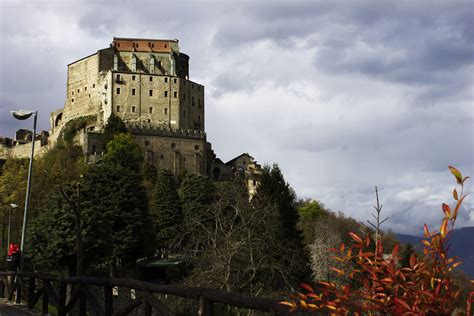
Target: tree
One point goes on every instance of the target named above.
(236, 250)
(114, 126)
(124, 151)
(274, 190)
(424, 287)
(165, 209)
(310, 212)
(197, 194)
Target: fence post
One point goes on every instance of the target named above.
(45, 307)
(62, 298)
(18, 289)
(31, 291)
(82, 300)
(109, 304)
(146, 306)
(206, 307)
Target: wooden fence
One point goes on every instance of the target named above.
(53, 290)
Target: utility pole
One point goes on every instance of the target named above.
(378, 209)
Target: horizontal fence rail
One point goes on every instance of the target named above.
(68, 293)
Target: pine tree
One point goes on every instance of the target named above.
(295, 261)
(165, 209)
(114, 126)
(197, 194)
(124, 151)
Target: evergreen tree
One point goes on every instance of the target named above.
(114, 126)
(165, 209)
(405, 255)
(274, 190)
(124, 151)
(197, 194)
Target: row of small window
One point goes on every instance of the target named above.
(85, 89)
(173, 145)
(118, 78)
(133, 109)
(136, 45)
(165, 94)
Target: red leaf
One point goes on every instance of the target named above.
(395, 251)
(306, 287)
(412, 260)
(446, 210)
(426, 232)
(356, 238)
(456, 174)
(402, 302)
(444, 227)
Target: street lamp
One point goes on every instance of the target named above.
(23, 115)
(13, 206)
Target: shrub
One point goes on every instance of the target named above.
(424, 287)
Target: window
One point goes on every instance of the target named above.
(150, 110)
(89, 95)
(118, 90)
(184, 96)
(72, 100)
(149, 121)
(147, 142)
(133, 91)
(151, 78)
(85, 88)
(133, 77)
(166, 79)
(72, 92)
(199, 118)
(166, 94)
(118, 77)
(150, 93)
(93, 85)
(166, 111)
(192, 101)
(118, 108)
(175, 94)
(184, 113)
(175, 80)
(78, 90)
(196, 147)
(161, 157)
(199, 103)
(133, 108)
(173, 145)
(118, 44)
(165, 45)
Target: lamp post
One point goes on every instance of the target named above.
(13, 206)
(23, 115)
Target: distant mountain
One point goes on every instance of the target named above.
(462, 245)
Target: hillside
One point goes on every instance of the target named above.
(462, 241)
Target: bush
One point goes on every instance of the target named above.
(425, 287)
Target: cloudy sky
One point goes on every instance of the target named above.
(343, 95)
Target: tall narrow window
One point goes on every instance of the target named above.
(199, 103)
(166, 111)
(133, 91)
(118, 77)
(166, 79)
(175, 94)
(133, 77)
(151, 78)
(199, 118)
(150, 110)
(134, 63)
(150, 93)
(93, 85)
(118, 108)
(85, 88)
(152, 64)
(175, 80)
(133, 109)
(184, 96)
(118, 90)
(184, 113)
(192, 101)
(166, 94)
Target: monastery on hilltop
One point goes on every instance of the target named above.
(146, 83)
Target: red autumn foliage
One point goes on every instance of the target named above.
(380, 286)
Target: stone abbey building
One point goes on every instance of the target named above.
(146, 83)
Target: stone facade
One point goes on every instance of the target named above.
(146, 83)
